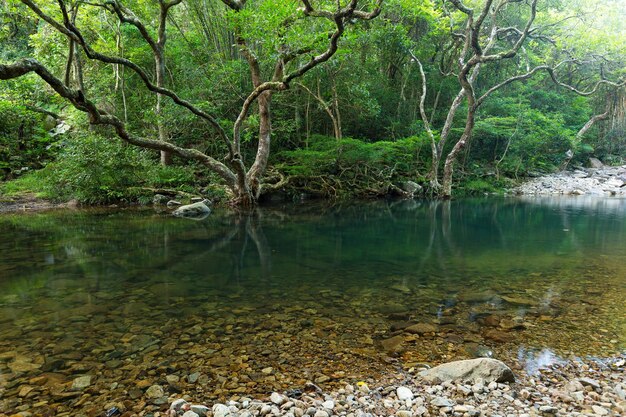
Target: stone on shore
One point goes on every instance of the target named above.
(487, 369)
(193, 211)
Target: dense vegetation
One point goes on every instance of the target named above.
(114, 100)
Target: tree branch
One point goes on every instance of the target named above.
(99, 117)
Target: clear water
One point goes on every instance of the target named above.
(255, 303)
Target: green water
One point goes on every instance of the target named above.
(255, 303)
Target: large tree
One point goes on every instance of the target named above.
(279, 41)
(489, 35)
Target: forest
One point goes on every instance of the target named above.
(239, 101)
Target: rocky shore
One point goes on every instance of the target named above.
(599, 180)
(479, 387)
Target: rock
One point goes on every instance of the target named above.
(177, 405)
(220, 410)
(404, 413)
(193, 378)
(588, 382)
(190, 414)
(201, 410)
(411, 188)
(404, 393)
(155, 391)
(519, 301)
(393, 344)
(276, 398)
(421, 410)
(193, 211)
(442, 402)
(421, 328)
(548, 409)
(470, 370)
(499, 336)
(173, 203)
(600, 410)
(321, 413)
(81, 383)
(329, 405)
(159, 200)
(595, 163)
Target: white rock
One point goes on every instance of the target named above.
(177, 404)
(404, 393)
(472, 370)
(220, 410)
(599, 410)
(190, 414)
(276, 398)
(200, 409)
(442, 402)
(330, 404)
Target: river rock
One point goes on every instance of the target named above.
(201, 410)
(404, 393)
(421, 328)
(81, 383)
(193, 211)
(155, 391)
(220, 410)
(487, 369)
(393, 344)
(191, 414)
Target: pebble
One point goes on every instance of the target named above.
(155, 391)
(404, 393)
(599, 410)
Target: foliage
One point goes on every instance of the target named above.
(352, 167)
(24, 142)
(372, 84)
(96, 170)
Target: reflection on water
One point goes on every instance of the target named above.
(534, 361)
(253, 303)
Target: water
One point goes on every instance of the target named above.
(251, 304)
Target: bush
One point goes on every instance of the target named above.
(24, 142)
(351, 167)
(96, 170)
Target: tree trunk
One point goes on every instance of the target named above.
(166, 157)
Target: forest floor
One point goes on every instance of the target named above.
(27, 202)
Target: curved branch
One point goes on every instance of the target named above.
(75, 34)
(99, 117)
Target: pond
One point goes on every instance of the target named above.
(248, 304)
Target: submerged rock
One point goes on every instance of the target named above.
(196, 211)
(421, 328)
(487, 369)
(81, 383)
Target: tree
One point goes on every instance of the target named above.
(300, 40)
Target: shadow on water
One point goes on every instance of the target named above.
(267, 300)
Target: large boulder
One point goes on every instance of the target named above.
(595, 163)
(198, 210)
(489, 370)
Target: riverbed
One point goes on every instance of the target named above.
(98, 305)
